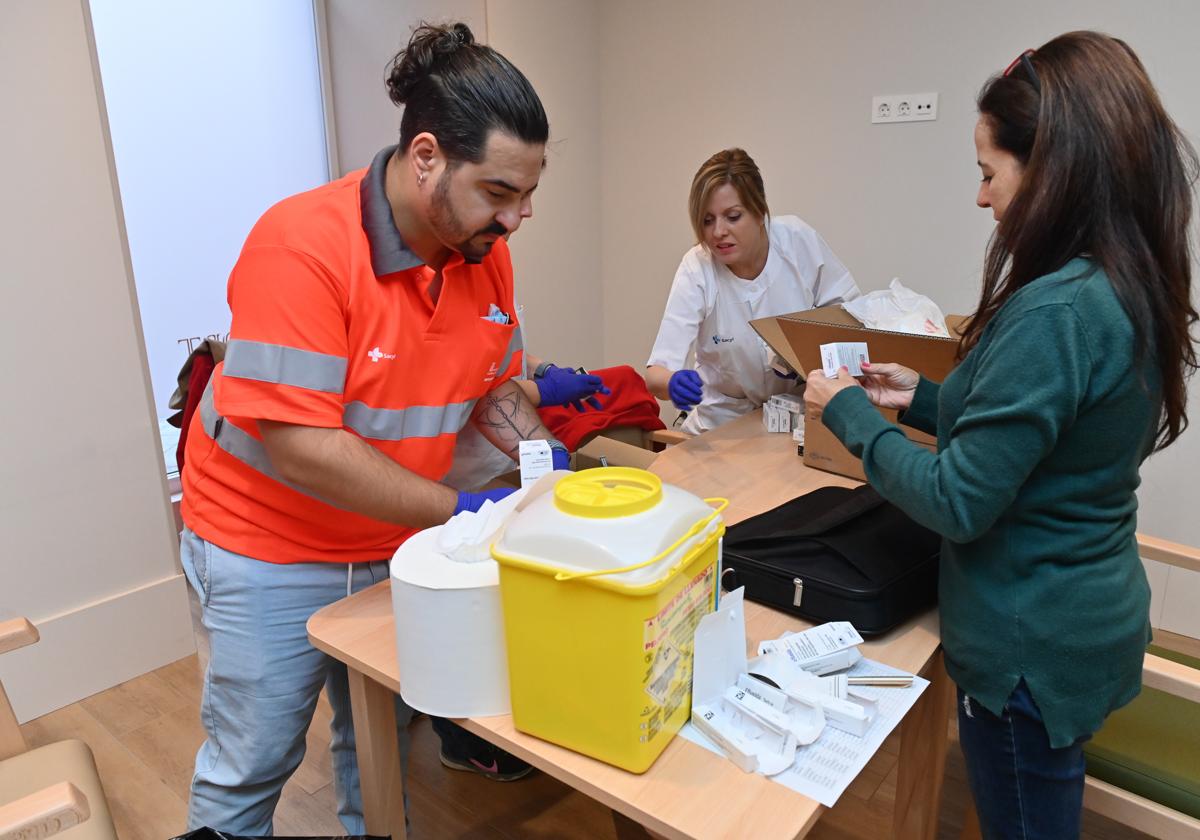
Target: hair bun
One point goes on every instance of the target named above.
(427, 49)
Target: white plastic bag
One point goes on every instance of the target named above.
(898, 309)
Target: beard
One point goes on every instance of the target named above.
(449, 227)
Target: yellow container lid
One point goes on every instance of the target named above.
(616, 527)
(608, 492)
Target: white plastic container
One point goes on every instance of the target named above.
(582, 528)
(449, 631)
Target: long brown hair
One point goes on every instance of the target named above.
(1106, 173)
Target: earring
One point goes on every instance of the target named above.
(421, 180)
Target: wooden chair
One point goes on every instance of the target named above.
(1144, 764)
(51, 789)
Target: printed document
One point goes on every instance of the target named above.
(824, 769)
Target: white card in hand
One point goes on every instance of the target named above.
(536, 460)
(849, 353)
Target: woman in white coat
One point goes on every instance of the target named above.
(747, 264)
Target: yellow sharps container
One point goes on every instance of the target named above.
(603, 581)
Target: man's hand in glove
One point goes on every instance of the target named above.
(474, 501)
(563, 386)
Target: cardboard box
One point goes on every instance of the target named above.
(823, 451)
(798, 337)
(615, 451)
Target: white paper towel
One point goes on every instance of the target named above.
(467, 539)
(449, 622)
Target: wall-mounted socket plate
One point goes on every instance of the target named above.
(904, 107)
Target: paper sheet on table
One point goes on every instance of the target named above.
(825, 768)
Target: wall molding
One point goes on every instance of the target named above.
(95, 646)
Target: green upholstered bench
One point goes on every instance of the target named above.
(1152, 746)
(1144, 765)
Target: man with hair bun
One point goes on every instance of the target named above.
(372, 320)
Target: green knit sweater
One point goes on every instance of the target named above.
(1041, 430)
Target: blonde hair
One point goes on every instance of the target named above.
(730, 166)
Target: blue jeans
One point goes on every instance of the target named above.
(262, 684)
(1023, 788)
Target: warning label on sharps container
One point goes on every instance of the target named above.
(667, 641)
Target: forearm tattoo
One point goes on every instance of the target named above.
(503, 414)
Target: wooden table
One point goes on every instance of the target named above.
(689, 792)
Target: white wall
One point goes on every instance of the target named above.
(361, 38)
(87, 549)
(791, 82)
(557, 253)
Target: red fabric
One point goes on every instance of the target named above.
(629, 404)
(202, 369)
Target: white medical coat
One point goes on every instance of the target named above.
(709, 311)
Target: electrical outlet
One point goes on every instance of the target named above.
(904, 107)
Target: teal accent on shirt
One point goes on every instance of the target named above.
(1041, 430)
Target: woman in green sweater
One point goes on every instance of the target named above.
(1072, 372)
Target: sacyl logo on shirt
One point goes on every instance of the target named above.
(719, 340)
(492, 371)
(376, 354)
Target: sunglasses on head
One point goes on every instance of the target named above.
(1024, 60)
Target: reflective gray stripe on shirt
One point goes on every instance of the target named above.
(241, 445)
(416, 421)
(419, 421)
(517, 342)
(283, 365)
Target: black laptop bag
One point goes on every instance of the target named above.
(835, 554)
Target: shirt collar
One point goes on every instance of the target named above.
(389, 254)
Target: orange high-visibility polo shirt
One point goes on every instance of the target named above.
(333, 326)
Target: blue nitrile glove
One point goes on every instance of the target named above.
(684, 388)
(563, 386)
(474, 501)
(561, 458)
